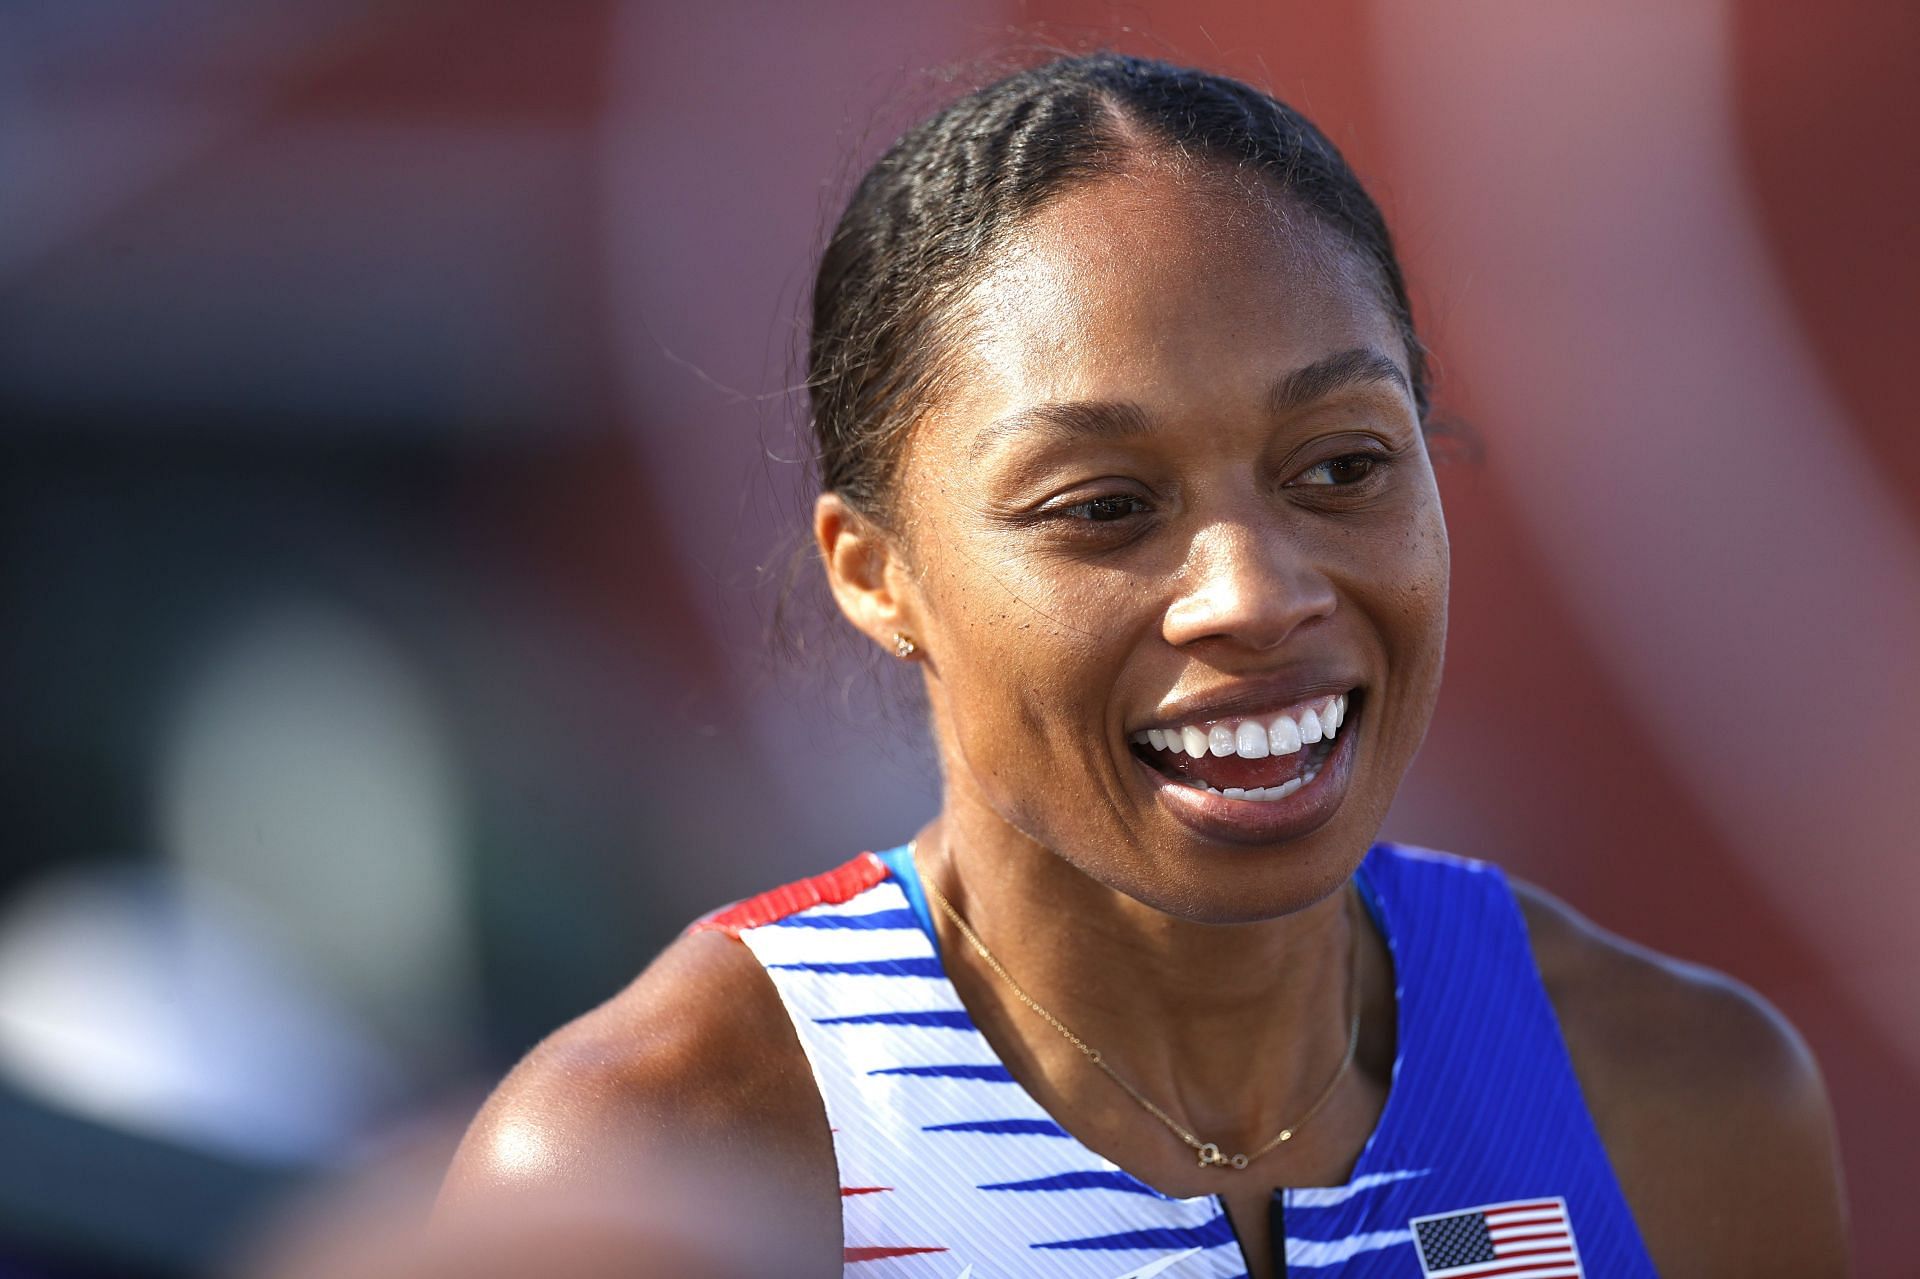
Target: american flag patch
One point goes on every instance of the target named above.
(1526, 1239)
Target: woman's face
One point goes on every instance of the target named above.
(1174, 503)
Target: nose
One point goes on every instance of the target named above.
(1248, 586)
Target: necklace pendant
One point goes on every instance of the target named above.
(1211, 1156)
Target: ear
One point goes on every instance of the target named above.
(865, 570)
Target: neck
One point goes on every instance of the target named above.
(1235, 1029)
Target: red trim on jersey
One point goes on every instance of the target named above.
(878, 1254)
(1533, 1205)
(863, 1190)
(841, 884)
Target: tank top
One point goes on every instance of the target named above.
(1484, 1164)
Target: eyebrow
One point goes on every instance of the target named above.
(1073, 420)
(1361, 366)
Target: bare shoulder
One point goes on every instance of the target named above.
(691, 1076)
(1709, 1103)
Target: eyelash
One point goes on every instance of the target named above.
(1091, 510)
(1100, 511)
(1084, 510)
(1373, 462)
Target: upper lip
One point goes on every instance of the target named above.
(1248, 696)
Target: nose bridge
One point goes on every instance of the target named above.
(1248, 579)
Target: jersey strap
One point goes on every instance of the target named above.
(833, 888)
(1486, 1163)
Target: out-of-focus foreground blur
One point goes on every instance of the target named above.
(397, 462)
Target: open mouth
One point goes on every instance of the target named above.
(1263, 758)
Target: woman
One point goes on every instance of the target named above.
(1120, 412)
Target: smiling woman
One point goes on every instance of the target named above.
(1121, 419)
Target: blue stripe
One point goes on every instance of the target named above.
(945, 1018)
(1004, 1127)
(916, 966)
(1082, 1180)
(989, 1073)
(902, 918)
(1210, 1235)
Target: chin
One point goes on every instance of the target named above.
(1205, 885)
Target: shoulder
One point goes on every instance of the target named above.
(692, 1076)
(1709, 1103)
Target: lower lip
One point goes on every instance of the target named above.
(1213, 815)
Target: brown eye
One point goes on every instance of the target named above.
(1104, 510)
(1350, 468)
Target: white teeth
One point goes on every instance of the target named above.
(1259, 793)
(1283, 736)
(1251, 739)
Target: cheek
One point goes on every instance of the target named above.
(1420, 574)
(1028, 659)
(1010, 609)
(1413, 613)
(1394, 575)
(1432, 557)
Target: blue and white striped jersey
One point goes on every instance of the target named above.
(1485, 1163)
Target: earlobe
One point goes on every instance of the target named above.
(858, 555)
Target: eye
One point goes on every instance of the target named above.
(1105, 510)
(1336, 472)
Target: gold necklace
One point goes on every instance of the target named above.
(1209, 1153)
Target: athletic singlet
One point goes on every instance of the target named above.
(1484, 1164)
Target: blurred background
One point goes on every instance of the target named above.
(398, 469)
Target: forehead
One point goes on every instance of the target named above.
(1170, 287)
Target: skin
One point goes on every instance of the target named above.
(1230, 552)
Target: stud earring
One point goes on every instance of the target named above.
(903, 647)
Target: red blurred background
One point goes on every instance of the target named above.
(398, 445)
